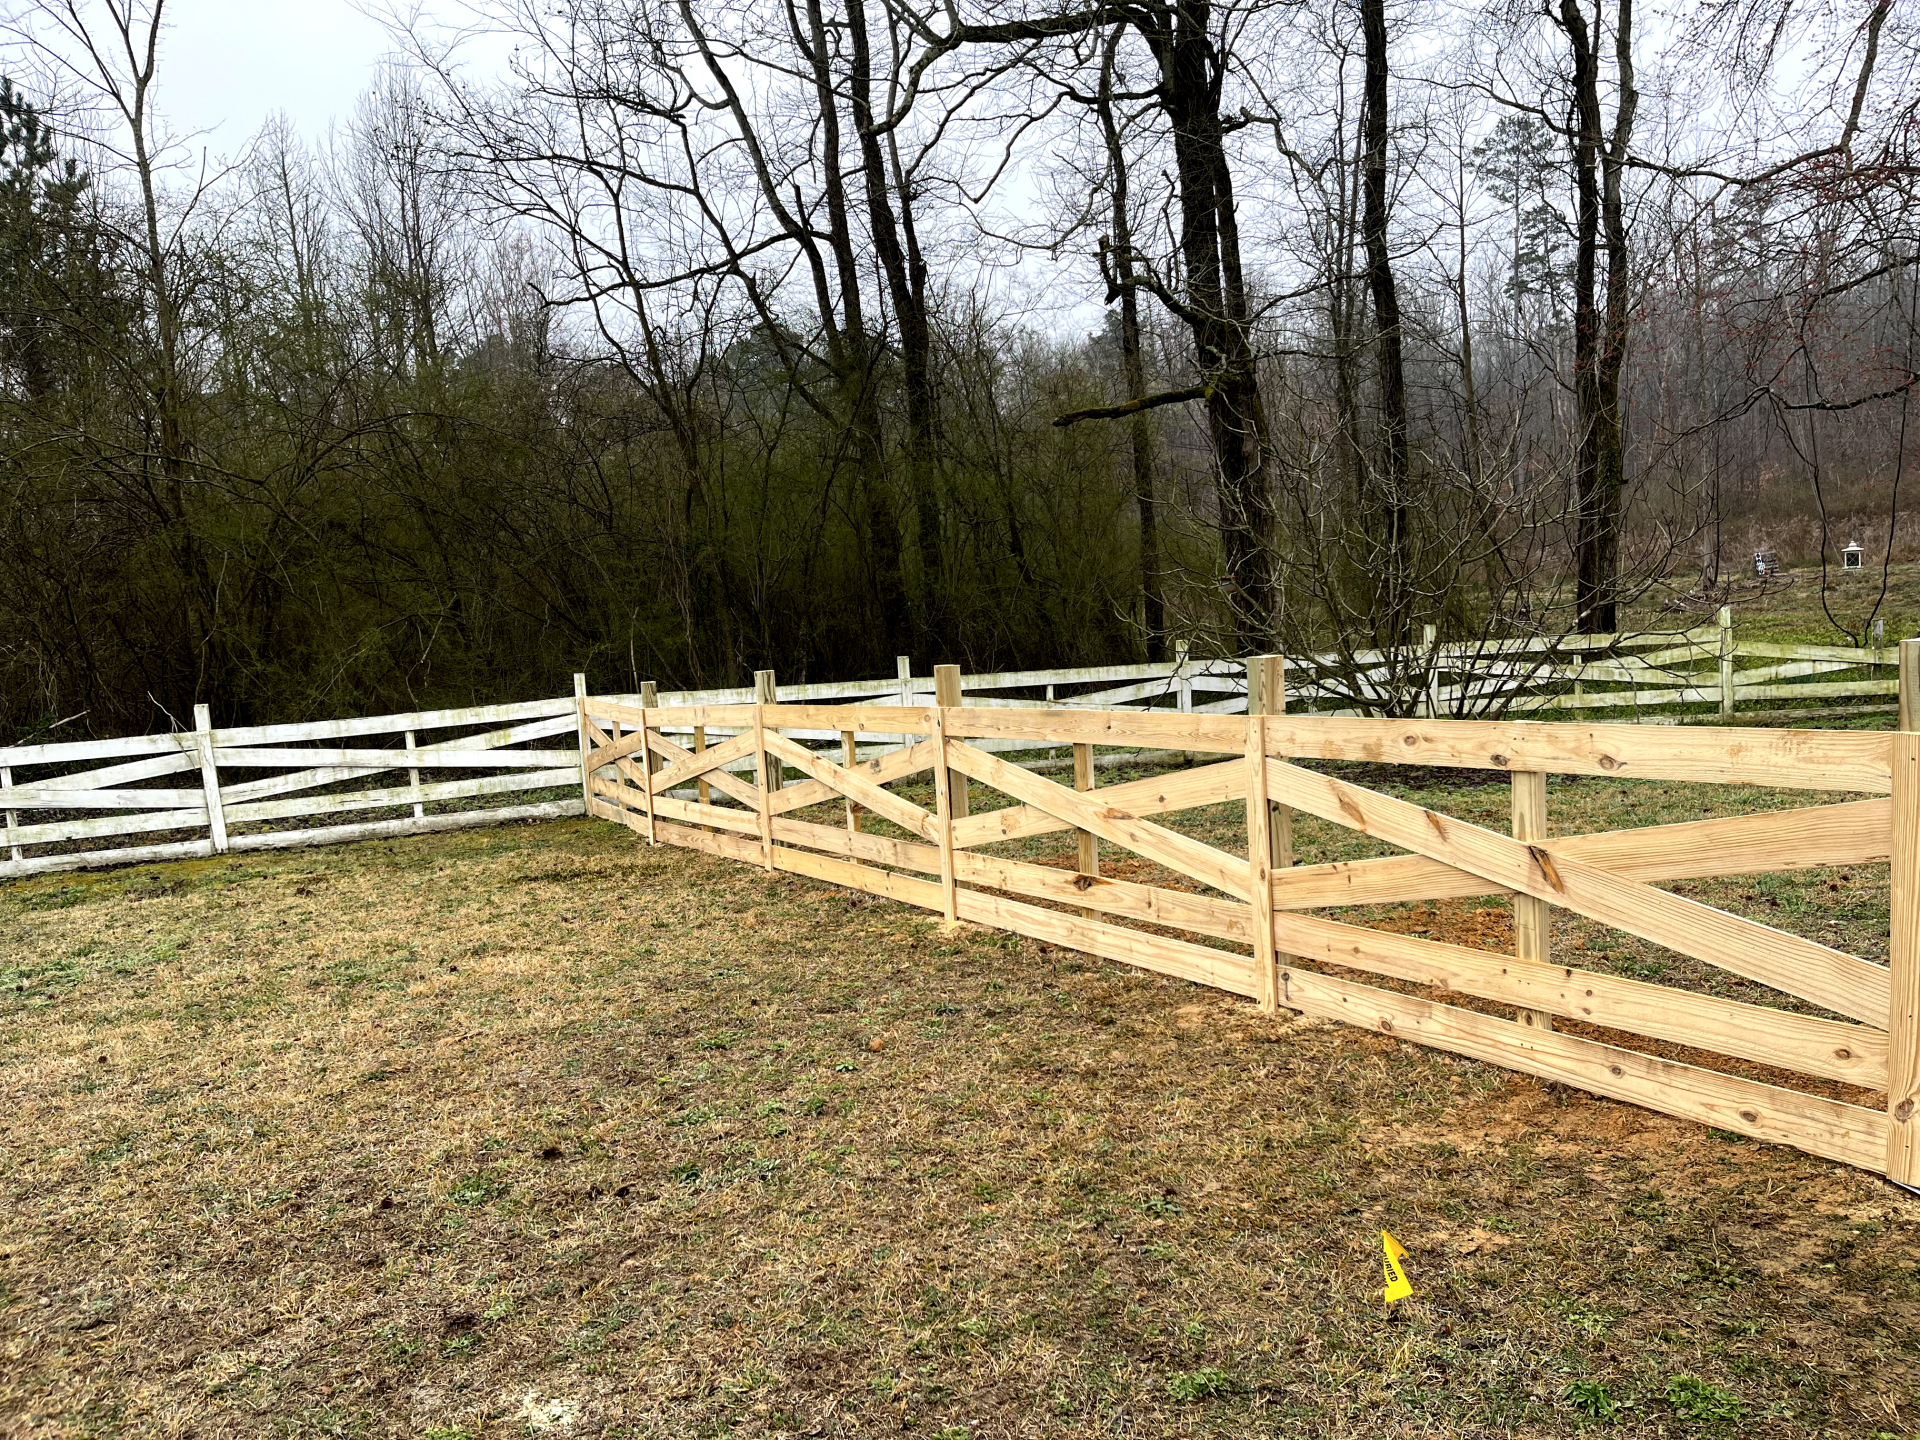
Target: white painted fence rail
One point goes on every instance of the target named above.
(205, 792)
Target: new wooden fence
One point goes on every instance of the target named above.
(210, 791)
(785, 786)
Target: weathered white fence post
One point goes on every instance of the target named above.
(1726, 662)
(1183, 682)
(580, 705)
(210, 781)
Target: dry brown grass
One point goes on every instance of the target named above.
(535, 1128)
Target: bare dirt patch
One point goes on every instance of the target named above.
(535, 1131)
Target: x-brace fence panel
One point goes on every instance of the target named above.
(920, 821)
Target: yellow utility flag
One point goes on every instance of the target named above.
(1398, 1286)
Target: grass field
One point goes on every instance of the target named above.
(534, 1130)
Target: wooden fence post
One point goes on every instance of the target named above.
(943, 809)
(1269, 826)
(1903, 1017)
(1083, 781)
(1183, 682)
(210, 780)
(580, 705)
(849, 757)
(1726, 662)
(649, 700)
(1532, 918)
(946, 695)
(766, 767)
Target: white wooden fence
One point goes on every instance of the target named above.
(205, 792)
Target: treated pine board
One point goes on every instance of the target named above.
(1830, 1129)
(858, 845)
(1155, 904)
(618, 747)
(883, 769)
(923, 893)
(861, 719)
(1790, 759)
(1153, 795)
(1855, 1054)
(692, 812)
(400, 795)
(1840, 982)
(1107, 817)
(116, 775)
(723, 717)
(35, 797)
(883, 803)
(1169, 731)
(740, 747)
(719, 778)
(1201, 964)
(1854, 832)
(59, 832)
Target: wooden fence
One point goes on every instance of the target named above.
(1831, 1061)
(210, 791)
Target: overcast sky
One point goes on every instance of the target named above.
(229, 64)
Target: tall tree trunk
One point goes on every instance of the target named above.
(1599, 346)
(1215, 309)
(1392, 498)
(916, 344)
(1133, 371)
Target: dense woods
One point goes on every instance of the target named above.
(807, 333)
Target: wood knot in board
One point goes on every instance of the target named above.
(1544, 859)
(1843, 1053)
(1615, 1070)
(1607, 762)
(1903, 1112)
(1500, 760)
(1385, 1023)
(1083, 882)
(1752, 1117)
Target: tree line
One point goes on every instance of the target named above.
(801, 334)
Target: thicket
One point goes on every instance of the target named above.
(706, 340)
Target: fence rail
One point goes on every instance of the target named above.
(208, 791)
(1240, 922)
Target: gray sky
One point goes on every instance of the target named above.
(229, 64)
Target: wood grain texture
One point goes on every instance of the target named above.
(1854, 832)
(1791, 759)
(1831, 1129)
(1832, 1049)
(1840, 982)
(1109, 819)
(1902, 1159)
(1152, 795)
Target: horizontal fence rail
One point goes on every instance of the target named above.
(886, 798)
(208, 791)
